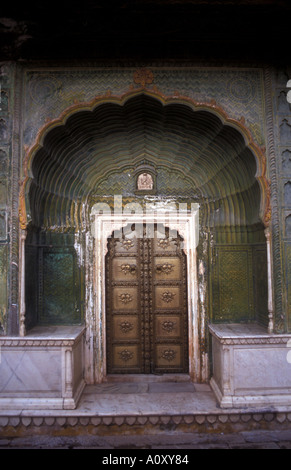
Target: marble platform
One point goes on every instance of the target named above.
(44, 369)
(251, 368)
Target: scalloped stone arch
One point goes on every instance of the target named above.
(209, 107)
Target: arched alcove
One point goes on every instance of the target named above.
(74, 159)
(197, 156)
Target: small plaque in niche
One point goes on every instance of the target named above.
(145, 178)
(145, 182)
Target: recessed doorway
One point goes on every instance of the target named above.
(146, 304)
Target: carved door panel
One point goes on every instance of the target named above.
(146, 318)
(169, 310)
(123, 303)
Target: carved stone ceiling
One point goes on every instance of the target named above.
(145, 30)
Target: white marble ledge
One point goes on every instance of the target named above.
(249, 333)
(46, 335)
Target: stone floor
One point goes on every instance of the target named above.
(129, 399)
(146, 415)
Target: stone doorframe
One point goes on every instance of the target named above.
(186, 224)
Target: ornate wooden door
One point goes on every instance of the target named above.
(146, 300)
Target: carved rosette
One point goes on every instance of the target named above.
(143, 77)
(125, 355)
(165, 268)
(125, 326)
(168, 296)
(128, 268)
(169, 355)
(127, 243)
(125, 298)
(163, 243)
(168, 326)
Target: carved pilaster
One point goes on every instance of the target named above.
(226, 371)
(270, 283)
(22, 331)
(279, 318)
(13, 318)
(68, 392)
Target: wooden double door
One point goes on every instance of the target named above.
(146, 305)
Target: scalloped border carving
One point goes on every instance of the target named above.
(258, 152)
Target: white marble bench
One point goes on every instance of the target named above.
(43, 370)
(251, 368)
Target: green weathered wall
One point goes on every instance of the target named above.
(6, 146)
(54, 293)
(239, 284)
